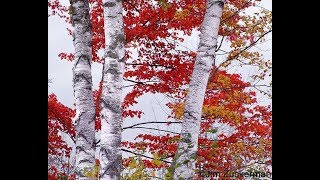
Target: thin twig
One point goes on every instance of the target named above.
(138, 154)
(154, 129)
(151, 122)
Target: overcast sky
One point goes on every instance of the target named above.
(153, 105)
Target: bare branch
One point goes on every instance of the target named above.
(220, 44)
(236, 55)
(230, 88)
(248, 47)
(138, 154)
(154, 129)
(135, 8)
(152, 65)
(139, 82)
(151, 122)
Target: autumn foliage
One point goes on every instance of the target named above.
(235, 129)
(59, 124)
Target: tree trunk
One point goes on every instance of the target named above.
(82, 85)
(186, 156)
(112, 77)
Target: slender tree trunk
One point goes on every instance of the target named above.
(112, 77)
(82, 85)
(186, 156)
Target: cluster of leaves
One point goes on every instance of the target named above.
(156, 63)
(228, 103)
(136, 170)
(93, 174)
(59, 150)
(59, 124)
(152, 31)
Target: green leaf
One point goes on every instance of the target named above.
(189, 135)
(156, 160)
(169, 174)
(215, 145)
(186, 161)
(194, 156)
(178, 165)
(190, 146)
(164, 155)
(164, 4)
(212, 130)
(175, 139)
(133, 163)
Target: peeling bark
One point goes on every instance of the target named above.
(186, 156)
(82, 85)
(112, 82)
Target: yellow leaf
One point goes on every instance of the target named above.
(133, 163)
(178, 110)
(181, 14)
(156, 160)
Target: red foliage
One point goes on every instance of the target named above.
(160, 67)
(59, 122)
(151, 26)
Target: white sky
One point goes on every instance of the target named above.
(61, 74)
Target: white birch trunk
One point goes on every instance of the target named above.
(186, 156)
(82, 85)
(112, 77)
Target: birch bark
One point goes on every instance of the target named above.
(186, 156)
(82, 85)
(112, 77)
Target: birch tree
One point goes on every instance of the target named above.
(82, 84)
(161, 68)
(185, 158)
(112, 77)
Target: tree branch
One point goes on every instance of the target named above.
(235, 13)
(230, 88)
(155, 65)
(151, 122)
(220, 44)
(248, 47)
(139, 82)
(126, 150)
(135, 8)
(154, 129)
(236, 55)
